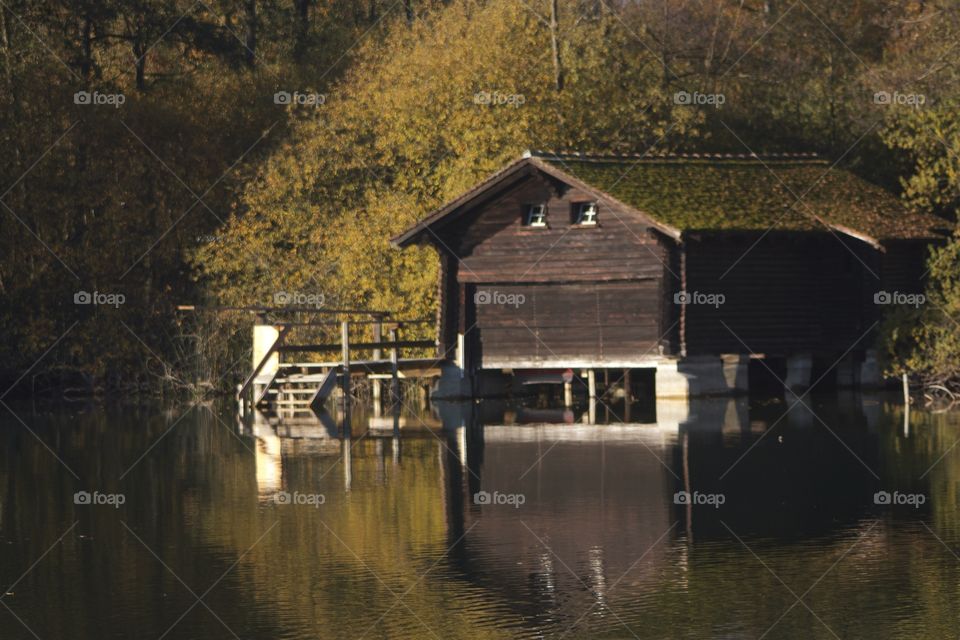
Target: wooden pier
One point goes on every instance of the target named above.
(291, 377)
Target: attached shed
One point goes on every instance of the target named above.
(594, 262)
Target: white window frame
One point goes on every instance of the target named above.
(536, 216)
(582, 209)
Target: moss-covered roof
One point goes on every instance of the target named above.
(747, 193)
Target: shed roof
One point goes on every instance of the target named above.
(726, 192)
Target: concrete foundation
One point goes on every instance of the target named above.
(799, 368)
(675, 378)
(848, 373)
(870, 374)
(264, 336)
(702, 376)
(453, 383)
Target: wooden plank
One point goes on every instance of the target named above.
(403, 344)
(324, 389)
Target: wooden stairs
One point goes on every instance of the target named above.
(299, 388)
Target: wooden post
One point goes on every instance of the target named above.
(906, 405)
(347, 450)
(686, 485)
(377, 355)
(567, 394)
(627, 395)
(345, 357)
(592, 383)
(422, 390)
(394, 367)
(396, 434)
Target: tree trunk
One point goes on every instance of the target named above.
(555, 42)
(140, 61)
(250, 42)
(86, 50)
(357, 10)
(770, 11)
(301, 27)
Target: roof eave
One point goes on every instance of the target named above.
(416, 232)
(873, 242)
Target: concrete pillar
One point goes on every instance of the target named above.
(702, 376)
(670, 382)
(799, 367)
(452, 384)
(264, 335)
(267, 458)
(870, 374)
(848, 373)
(672, 412)
(568, 394)
(592, 383)
(735, 372)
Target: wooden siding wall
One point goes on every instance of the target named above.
(495, 246)
(566, 323)
(904, 267)
(590, 293)
(785, 295)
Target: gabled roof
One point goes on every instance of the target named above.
(722, 192)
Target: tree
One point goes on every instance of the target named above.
(420, 117)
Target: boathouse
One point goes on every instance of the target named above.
(690, 265)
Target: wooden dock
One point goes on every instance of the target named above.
(302, 385)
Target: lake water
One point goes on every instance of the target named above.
(483, 521)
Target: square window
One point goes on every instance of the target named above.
(536, 215)
(587, 213)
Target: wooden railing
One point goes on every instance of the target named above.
(345, 346)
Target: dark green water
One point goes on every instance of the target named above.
(201, 548)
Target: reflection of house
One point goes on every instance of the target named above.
(598, 262)
(598, 500)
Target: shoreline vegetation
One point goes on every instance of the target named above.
(242, 151)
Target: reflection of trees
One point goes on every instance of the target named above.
(194, 500)
(803, 505)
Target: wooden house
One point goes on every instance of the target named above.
(688, 264)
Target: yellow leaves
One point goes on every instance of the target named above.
(423, 115)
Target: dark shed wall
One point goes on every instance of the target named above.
(784, 294)
(566, 324)
(589, 293)
(904, 266)
(494, 246)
